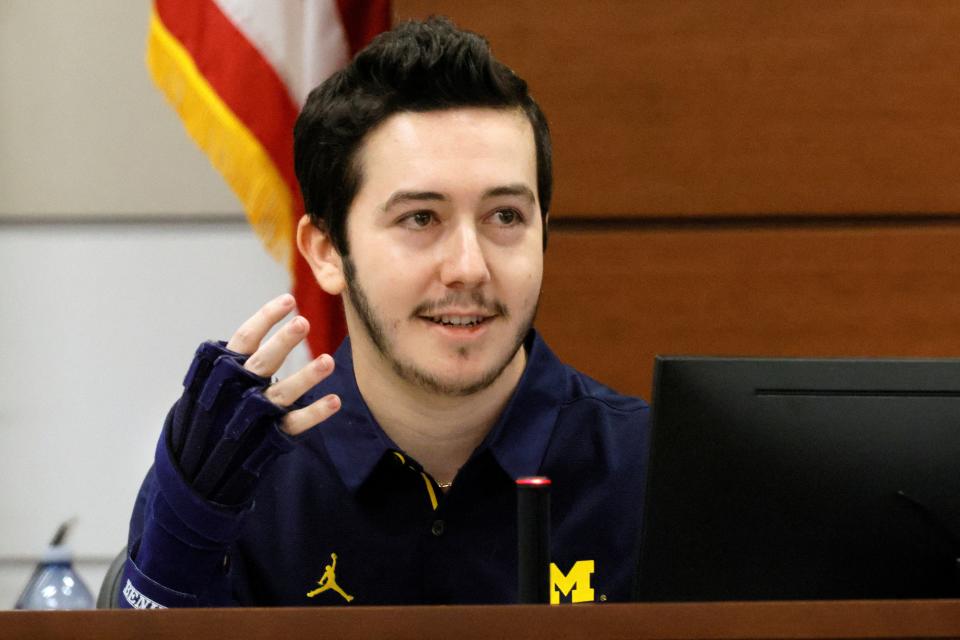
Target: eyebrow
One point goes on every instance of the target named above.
(518, 189)
(402, 197)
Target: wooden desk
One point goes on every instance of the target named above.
(743, 620)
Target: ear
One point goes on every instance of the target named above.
(317, 249)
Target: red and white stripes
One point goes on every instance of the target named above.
(237, 72)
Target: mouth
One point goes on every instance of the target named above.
(458, 320)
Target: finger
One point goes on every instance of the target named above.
(296, 422)
(267, 359)
(287, 391)
(247, 338)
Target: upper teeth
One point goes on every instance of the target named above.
(458, 320)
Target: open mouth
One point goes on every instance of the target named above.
(458, 321)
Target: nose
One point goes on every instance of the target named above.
(464, 264)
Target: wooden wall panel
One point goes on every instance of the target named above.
(612, 300)
(730, 140)
(729, 107)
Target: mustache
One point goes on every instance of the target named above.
(457, 298)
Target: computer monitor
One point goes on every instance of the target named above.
(773, 479)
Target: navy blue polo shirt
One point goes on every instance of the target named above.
(346, 517)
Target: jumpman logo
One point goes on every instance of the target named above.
(328, 581)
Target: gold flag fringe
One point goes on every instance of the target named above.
(231, 147)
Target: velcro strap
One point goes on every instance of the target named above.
(213, 522)
(206, 417)
(271, 442)
(203, 359)
(228, 373)
(255, 417)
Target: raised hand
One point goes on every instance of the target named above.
(267, 358)
(231, 422)
(228, 427)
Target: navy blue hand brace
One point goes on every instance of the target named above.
(217, 440)
(223, 431)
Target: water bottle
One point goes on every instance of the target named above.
(54, 584)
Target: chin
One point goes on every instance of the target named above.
(447, 383)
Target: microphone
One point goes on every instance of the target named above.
(533, 539)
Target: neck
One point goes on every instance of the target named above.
(439, 431)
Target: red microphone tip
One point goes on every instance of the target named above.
(534, 481)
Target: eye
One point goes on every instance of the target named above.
(507, 217)
(418, 219)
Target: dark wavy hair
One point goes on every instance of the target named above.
(417, 66)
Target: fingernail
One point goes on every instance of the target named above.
(286, 300)
(298, 324)
(324, 362)
(333, 402)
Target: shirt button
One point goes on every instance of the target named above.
(437, 528)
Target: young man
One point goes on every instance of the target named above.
(425, 166)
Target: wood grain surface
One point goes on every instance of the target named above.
(710, 107)
(613, 299)
(744, 620)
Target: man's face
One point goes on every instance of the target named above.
(446, 254)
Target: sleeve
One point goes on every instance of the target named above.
(216, 442)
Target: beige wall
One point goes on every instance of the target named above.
(82, 131)
(101, 301)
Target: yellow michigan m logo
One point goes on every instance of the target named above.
(574, 585)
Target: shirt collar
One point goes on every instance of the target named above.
(353, 439)
(518, 441)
